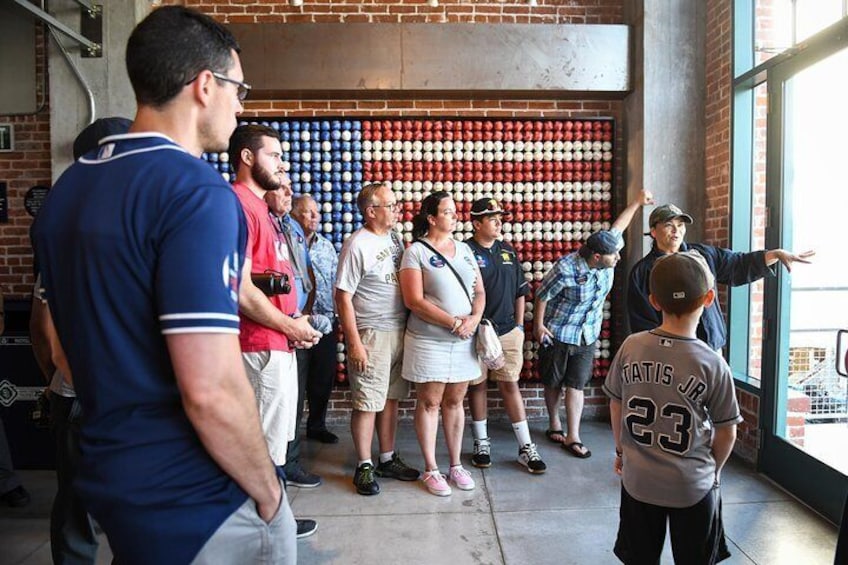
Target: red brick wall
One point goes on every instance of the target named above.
(718, 130)
(411, 11)
(27, 166)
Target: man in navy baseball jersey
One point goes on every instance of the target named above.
(141, 246)
(506, 288)
(674, 414)
(567, 320)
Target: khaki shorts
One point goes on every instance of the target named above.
(513, 348)
(381, 378)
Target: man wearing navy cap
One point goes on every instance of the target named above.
(567, 322)
(668, 228)
(89, 138)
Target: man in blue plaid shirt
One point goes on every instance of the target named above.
(567, 322)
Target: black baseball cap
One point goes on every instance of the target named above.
(486, 207)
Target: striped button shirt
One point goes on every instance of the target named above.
(575, 297)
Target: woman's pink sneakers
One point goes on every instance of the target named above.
(436, 483)
(461, 478)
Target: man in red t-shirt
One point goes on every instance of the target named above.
(269, 333)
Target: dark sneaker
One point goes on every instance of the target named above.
(306, 528)
(529, 457)
(395, 468)
(299, 477)
(482, 457)
(324, 436)
(364, 480)
(18, 497)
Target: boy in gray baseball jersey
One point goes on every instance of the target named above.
(674, 414)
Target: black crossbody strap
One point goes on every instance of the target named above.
(462, 284)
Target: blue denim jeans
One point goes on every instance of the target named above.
(72, 536)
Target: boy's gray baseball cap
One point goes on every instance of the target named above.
(680, 276)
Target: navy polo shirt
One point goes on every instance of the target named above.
(137, 240)
(503, 280)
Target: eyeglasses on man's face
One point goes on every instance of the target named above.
(242, 88)
(393, 206)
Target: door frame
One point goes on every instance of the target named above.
(814, 482)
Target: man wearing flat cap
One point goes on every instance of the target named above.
(668, 228)
(567, 322)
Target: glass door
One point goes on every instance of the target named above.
(805, 409)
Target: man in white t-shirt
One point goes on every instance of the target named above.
(373, 318)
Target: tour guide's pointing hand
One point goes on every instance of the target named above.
(787, 257)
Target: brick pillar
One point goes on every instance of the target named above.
(797, 408)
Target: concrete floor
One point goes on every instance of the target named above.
(568, 515)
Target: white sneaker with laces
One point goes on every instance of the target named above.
(530, 459)
(482, 453)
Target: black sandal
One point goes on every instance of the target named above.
(572, 449)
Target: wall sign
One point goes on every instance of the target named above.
(7, 138)
(34, 199)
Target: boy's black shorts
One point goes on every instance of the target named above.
(697, 532)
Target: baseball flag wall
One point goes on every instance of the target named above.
(553, 177)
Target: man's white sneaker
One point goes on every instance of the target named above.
(529, 457)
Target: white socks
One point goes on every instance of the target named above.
(387, 456)
(480, 429)
(522, 433)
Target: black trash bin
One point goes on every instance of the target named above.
(21, 383)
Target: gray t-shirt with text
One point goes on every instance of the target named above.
(368, 267)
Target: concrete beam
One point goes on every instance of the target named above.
(298, 60)
(664, 115)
